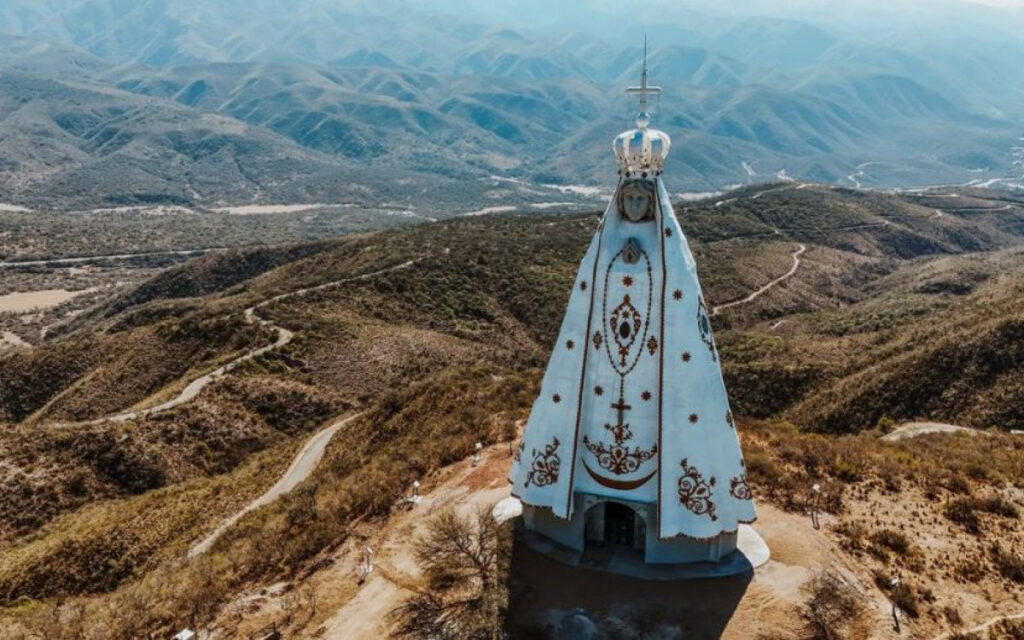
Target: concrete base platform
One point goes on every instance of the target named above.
(751, 552)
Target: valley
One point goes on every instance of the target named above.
(123, 428)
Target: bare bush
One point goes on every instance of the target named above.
(463, 560)
(834, 609)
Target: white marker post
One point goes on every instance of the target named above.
(815, 496)
(896, 583)
(366, 568)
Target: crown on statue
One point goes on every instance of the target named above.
(641, 150)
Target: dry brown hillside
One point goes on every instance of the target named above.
(439, 333)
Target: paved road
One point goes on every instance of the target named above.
(303, 465)
(759, 292)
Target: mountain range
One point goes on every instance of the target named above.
(208, 103)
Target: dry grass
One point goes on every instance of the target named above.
(449, 353)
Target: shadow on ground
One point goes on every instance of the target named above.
(551, 600)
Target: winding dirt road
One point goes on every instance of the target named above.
(914, 429)
(762, 290)
(284, 336)
(114, 256)
(985, 626)
(303, 465)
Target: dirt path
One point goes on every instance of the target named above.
(985, 626)
(914, 429)
(733, 608)
(114, 256)
(462, 487)
(303, 464)
(284, 336)
(755, 295)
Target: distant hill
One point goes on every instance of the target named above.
(500, 281)
(103, 106)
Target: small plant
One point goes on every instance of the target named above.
(892, 540)
(1009, 629)
(961, 511)
(904, 595)
(1009, 564)
(964, 510)
(853, 534)
(952, 615)
(834, 609)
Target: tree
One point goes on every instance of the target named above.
(833, 610)
(461, 558)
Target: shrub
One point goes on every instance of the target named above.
(462, 559)
(853, 534)
(906, 598)
(833, 610)
(962, 512)
(892, 540)
(1009, 564)
(1009, 629)
(952, 615)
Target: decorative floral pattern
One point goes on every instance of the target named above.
(629, 321)
(739, 489)
(519, 450)
(597, 340)
(546, 465)
(617, 458)
(695, 492)
(624, 324)
(652, 345)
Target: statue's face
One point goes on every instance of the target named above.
(636, 200)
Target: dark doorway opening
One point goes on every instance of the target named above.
(619, 524)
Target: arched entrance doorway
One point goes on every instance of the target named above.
(615, 526)
(619, 524)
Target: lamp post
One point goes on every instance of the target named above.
(367, 566)
(815, 496)
(895, 583)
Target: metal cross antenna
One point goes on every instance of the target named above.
(643, 90)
